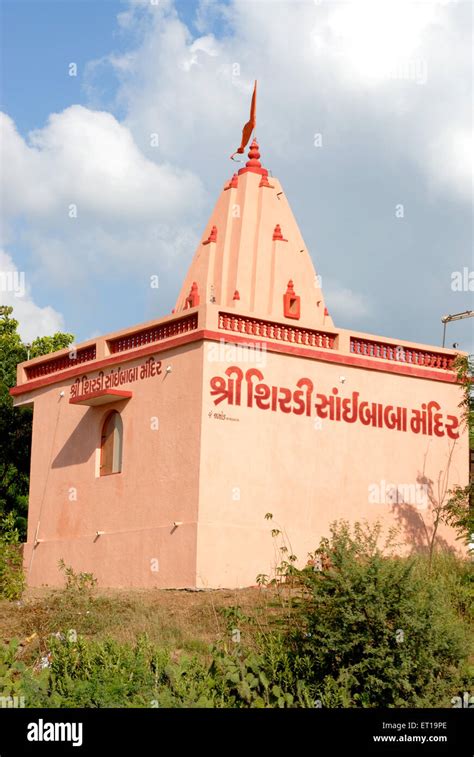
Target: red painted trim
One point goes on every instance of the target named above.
(116, 359)
(117, 393)
(83, 355)
(151, 335)
(380, 346)
(327, 356)
(228, 321)
(252, 169)
(330, 356)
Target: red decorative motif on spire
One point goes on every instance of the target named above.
(264, 183)
(232, 183)
(192, 300)
(326, 311)
(277, 235)
(212, 236)
(291, 302)
(253, 164)
(236, 295)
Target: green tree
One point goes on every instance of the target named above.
(377, 631)
(16, 423)
(459, 509)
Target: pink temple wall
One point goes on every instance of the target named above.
(189, 470)
(307, 474)
(136, 508)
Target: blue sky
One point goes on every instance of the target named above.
(41, 37)
(388, 85)
(39, 40)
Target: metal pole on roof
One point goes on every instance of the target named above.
(455, 317)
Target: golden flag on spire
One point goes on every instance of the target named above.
(250, 125)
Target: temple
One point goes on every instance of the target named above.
(160, 451)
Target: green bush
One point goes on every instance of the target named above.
(81, 673)
(12, 579)
(355, 628)
(376, 631)
(264, 677)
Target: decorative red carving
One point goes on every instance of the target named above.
(278, 331)
(192, 300)
(236, 295)
(233, 183)
(154, 334)
(277, 235)
(265, 183)
(399, 353)
(291, 302)
(82, 355)
(212, 236)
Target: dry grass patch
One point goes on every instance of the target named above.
(177, 620)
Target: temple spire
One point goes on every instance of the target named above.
(252, 258)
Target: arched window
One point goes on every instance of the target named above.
(111, 444)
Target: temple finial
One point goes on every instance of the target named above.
(254, 155)
(253, 164)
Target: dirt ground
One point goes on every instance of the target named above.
(178, 620)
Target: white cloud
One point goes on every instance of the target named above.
(15, 292)
(406, 63)
(343, 303)
(373, 36)
(90, 159)
(450, 161)
(92, 202)
(206, 45)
